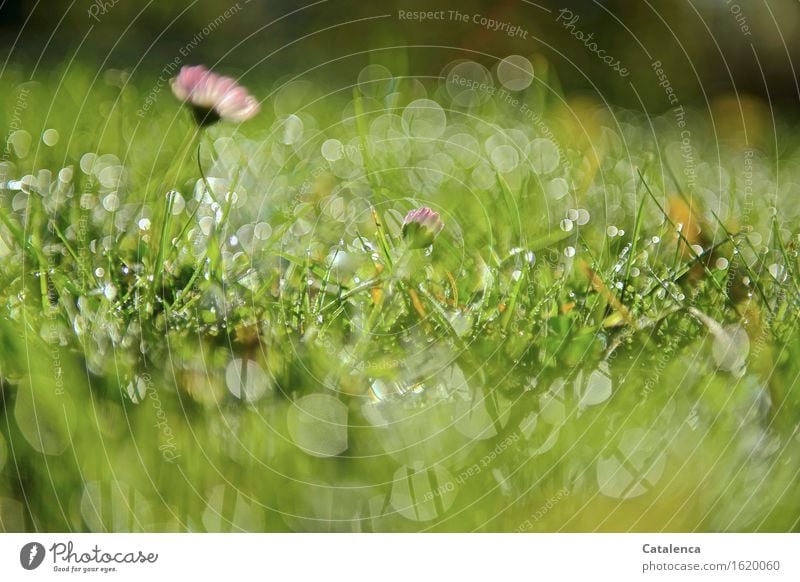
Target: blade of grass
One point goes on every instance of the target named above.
(708, 272)
(637, 227)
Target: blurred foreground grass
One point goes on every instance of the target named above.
(603, 337)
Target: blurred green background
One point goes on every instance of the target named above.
(225, 420)
(708, 47)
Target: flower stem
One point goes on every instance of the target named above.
(158, 266)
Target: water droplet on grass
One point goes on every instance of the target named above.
(464, 149)
(20, 202)
(557, 188)
(290, 129)
(424, 118)
(111, 202)
(20, 142)
(472, 409)
(634, 467)
(318, 425)
(332, 150)
(543, 155)
(136, 389)
(114, 506)
(730, 348)
(597, 389)
(515, 72)
(505, 158)
(87, 162)
(229, 510)
(469, 84)
(65, 175)
(422, 494)
(262, 231)
(50, 137)
(375, 81)
(246, 380)
(110, 292)
(178, 202)
(778, 272)
(46, 420)
(483, 176)
(425, 176)
(206, 224)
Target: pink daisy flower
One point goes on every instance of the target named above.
(421, 226)
(213, 97)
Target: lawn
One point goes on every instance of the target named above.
(228, 328)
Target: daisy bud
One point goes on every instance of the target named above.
(213, 97)
(420, 227)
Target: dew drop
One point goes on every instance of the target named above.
(777, 271)
(110, 292)
(332, 150)
(543, 155)
(597, 389)
(424, 118)
(262, 231)
(50, 137)
(20, 141)
(515, 72)
(178, 202)
(65, 175)
(557, 188)
(317, 424)
(505, 158)
(206, 223)
(291, 130)
(246, 379)
(469, 84)
(111, 202)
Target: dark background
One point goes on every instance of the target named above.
(703, 48)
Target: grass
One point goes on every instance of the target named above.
(226, 332)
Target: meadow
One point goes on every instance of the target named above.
(225, 329)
